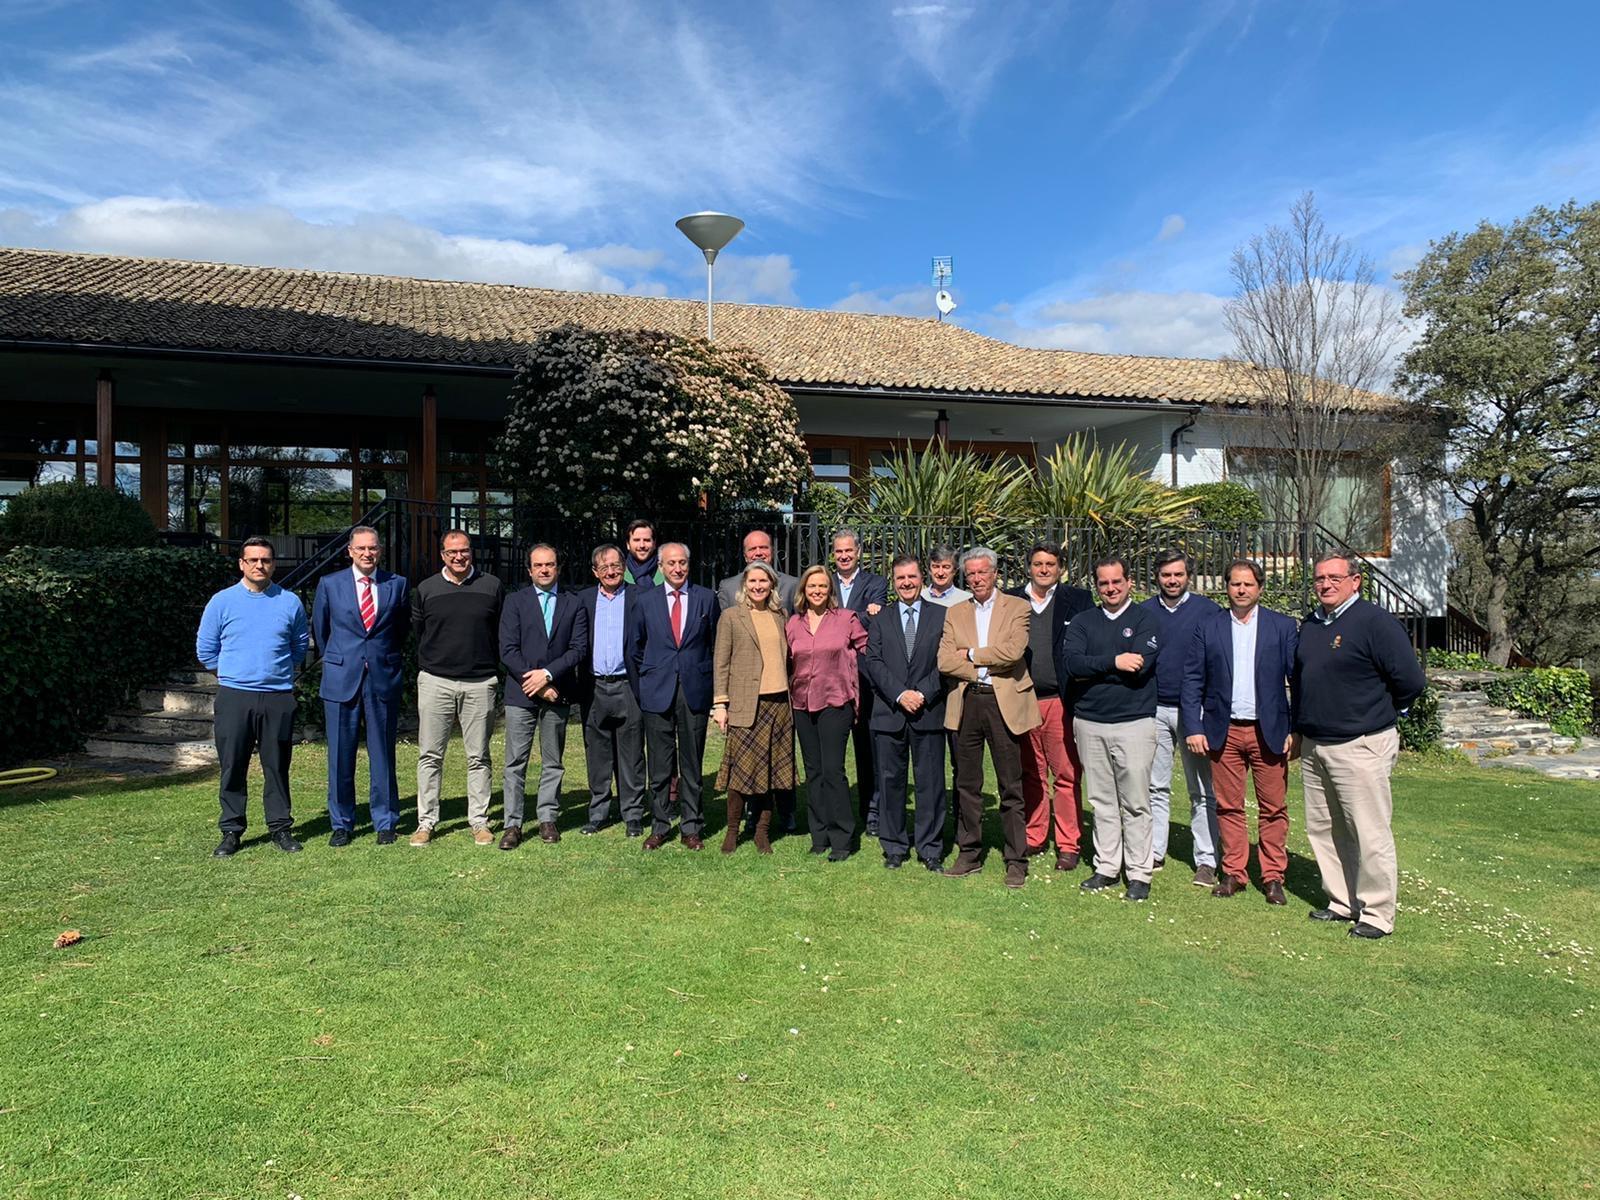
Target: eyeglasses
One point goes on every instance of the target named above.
(256, 562)
(1330, 578)
(457, 553)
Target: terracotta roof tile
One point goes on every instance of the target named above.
(55, 296)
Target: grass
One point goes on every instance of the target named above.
(587, 1020)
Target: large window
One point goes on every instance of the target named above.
(1355, 501)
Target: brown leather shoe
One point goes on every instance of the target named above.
(764, 832)
(1228, 886)
(511, 838)
(1016, 875)
(692, 841)
(548, 832)
(1205, 877)
(654, 842)
(963, 866)
(1274, 890)
(1068, 861)
(482, 837)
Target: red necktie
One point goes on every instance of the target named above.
(677, 618)
(369, 607)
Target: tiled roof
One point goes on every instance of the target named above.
(54, 296)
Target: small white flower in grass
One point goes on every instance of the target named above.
(793, 1032)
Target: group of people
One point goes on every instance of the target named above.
(1085, 704)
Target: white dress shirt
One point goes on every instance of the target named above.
(1243, 706)
(982, 613)
(1040, 605)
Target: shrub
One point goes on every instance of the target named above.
(86, 629)
(1457, 660)
(1420, 726)
(1560, 696)
(1224, 505)
(76, 516)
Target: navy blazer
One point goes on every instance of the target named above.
(657, 665)
(891, 672)
(867, 589)
(1070, 601)
(348, 649)
(1208, 678)
(524, 646)
(589, 598)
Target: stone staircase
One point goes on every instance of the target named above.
(1474, 725)
(170, 727)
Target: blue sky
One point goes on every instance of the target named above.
(1090, 166)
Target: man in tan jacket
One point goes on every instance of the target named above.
(991, 701)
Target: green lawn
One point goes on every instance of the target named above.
(588, 1020)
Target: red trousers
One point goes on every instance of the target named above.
(1048, 751)
(1268, 766)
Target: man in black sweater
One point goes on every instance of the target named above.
(1108, 658)
(1362, 673)
(456, 617)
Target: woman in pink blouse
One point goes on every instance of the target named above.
(824, 643)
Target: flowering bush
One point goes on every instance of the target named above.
(609, 423)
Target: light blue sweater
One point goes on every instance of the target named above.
(253, 640)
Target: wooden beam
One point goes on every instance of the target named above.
(153, 468)
(430, 444)
(105, 447)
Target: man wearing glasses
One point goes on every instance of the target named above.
(1366, 674)
(253, 635)
(456, 617)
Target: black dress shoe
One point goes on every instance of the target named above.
(838, 856)
(934, 865)
(227, 847)
(1097, 883)
(872, 829)
(1362, 930)
(590, 828)
(635, 828)
(1326, 914)
(1138, 889)
(341, 837)
(511, 838)
(818, 850)
(386, 837)
(284, 840)
(893, 864)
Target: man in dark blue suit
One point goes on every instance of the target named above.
(1237, 709)
(671, 638)
(902, 662)
(359, 619)
(864, 594)
(544, 636)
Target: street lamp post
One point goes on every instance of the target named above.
(710, 231)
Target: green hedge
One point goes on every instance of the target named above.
(1558, 695)
(1457, 660)
(76, 515)
(85, 629)
(1421, 727)
(1224, 505)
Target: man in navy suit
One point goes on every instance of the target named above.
(864, 594)
(544, 636)
(671, 638)
(1238, 709)
(902, 661)
(359, 619)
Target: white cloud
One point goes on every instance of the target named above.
(272, 236)
(1177, 324)
(907, 300)
(962, 48)
(755, 278)
(1171, 227)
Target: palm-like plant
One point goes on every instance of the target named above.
(961, 488)
(1084, 481)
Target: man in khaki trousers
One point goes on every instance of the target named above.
(1355, 673)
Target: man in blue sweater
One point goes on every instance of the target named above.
(1108, 657)
(253, 635)
(1363, 673)
(1178, 611)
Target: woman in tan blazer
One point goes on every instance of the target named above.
(750, 704)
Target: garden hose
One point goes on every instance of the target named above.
(26, 775)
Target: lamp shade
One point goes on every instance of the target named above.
(710, 231)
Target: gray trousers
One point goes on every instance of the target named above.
(550, 721)
(1202, 799)
(1116, 781)
(441, 703)
(613, 743)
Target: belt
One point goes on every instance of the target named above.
(1249, 722)
(609, 678)
(980, 687)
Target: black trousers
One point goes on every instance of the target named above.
(244, 722)
(982, 724)
(676, 743)
(822, 736)
(866, 772)
(898, 754)
(613, 739)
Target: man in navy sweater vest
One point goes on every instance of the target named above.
(1108, 658)
(1178, 611)
(1363, 673)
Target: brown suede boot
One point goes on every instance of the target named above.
(730, 839)
(763, 829)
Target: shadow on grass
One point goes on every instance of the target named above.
(71, 781)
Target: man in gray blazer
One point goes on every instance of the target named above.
(757, 548)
